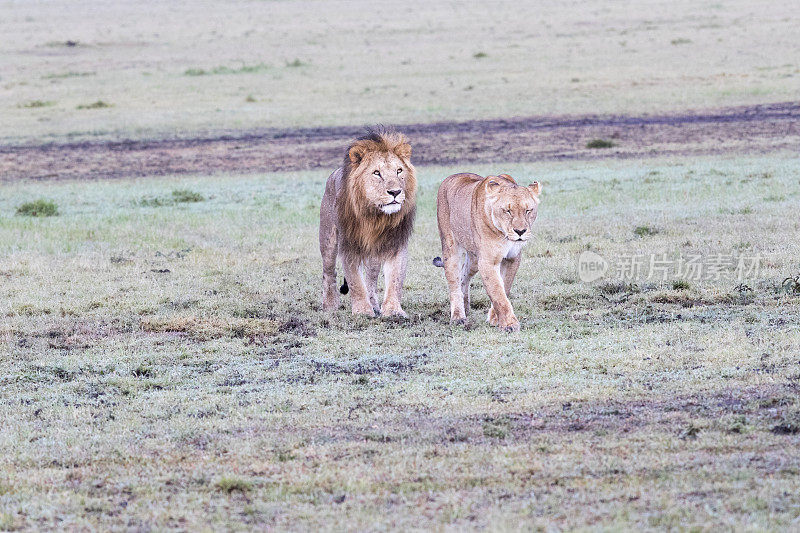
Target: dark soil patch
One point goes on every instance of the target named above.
(373, 366)
(674, 415)
(745, 129)
(685, 417)
(297, 326)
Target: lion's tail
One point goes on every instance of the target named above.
(344, 289)
(437, 262)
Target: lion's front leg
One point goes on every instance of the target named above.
(359, 297)
(372, 269)
(394, 274)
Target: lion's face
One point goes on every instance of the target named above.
(384, 180)
(513, 208)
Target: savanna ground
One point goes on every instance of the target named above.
(164, 361)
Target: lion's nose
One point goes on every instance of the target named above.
(519, 231)
(395, 192)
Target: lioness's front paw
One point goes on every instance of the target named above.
(492, 317)
(363, 308)
(393, 310)
(508, 323)
(455, 321)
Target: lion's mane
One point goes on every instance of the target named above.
(365, 230)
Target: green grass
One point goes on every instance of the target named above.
(7, 522)
(38, 208)
(183, 196)
(171, 367)
(497, 428)
(34, 104)
(99, 104)
(244, 69)
(154, 201)
(645, 231)
(177, 196)
(600, 143)
(69, 74)
(232, 484)
(681, 285)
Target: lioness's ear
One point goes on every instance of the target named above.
(357, 153)
(536, 188)
(493, 187)
(403, 151)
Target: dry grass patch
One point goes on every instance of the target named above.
(207, 328)
(684, 299)
(789, 424)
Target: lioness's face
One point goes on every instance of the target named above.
(513, 209)
(385, 182)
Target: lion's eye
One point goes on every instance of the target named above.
(508, 211)
(377, 173)
(528, 211)
(399, 171)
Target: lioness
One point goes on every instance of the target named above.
(483, 225)
(366, 219)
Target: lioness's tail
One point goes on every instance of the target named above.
(344, 289)
(437, 262)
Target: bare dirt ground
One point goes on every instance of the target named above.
(741, 130)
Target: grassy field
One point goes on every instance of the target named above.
(186, 67)
(164, 363)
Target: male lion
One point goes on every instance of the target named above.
(483, 225)
(366, 218)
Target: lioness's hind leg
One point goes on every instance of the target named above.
(468, 270)
(452, 259)
(454, 271)
(329, 247)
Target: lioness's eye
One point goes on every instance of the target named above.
(377, 173)
(399, 171)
